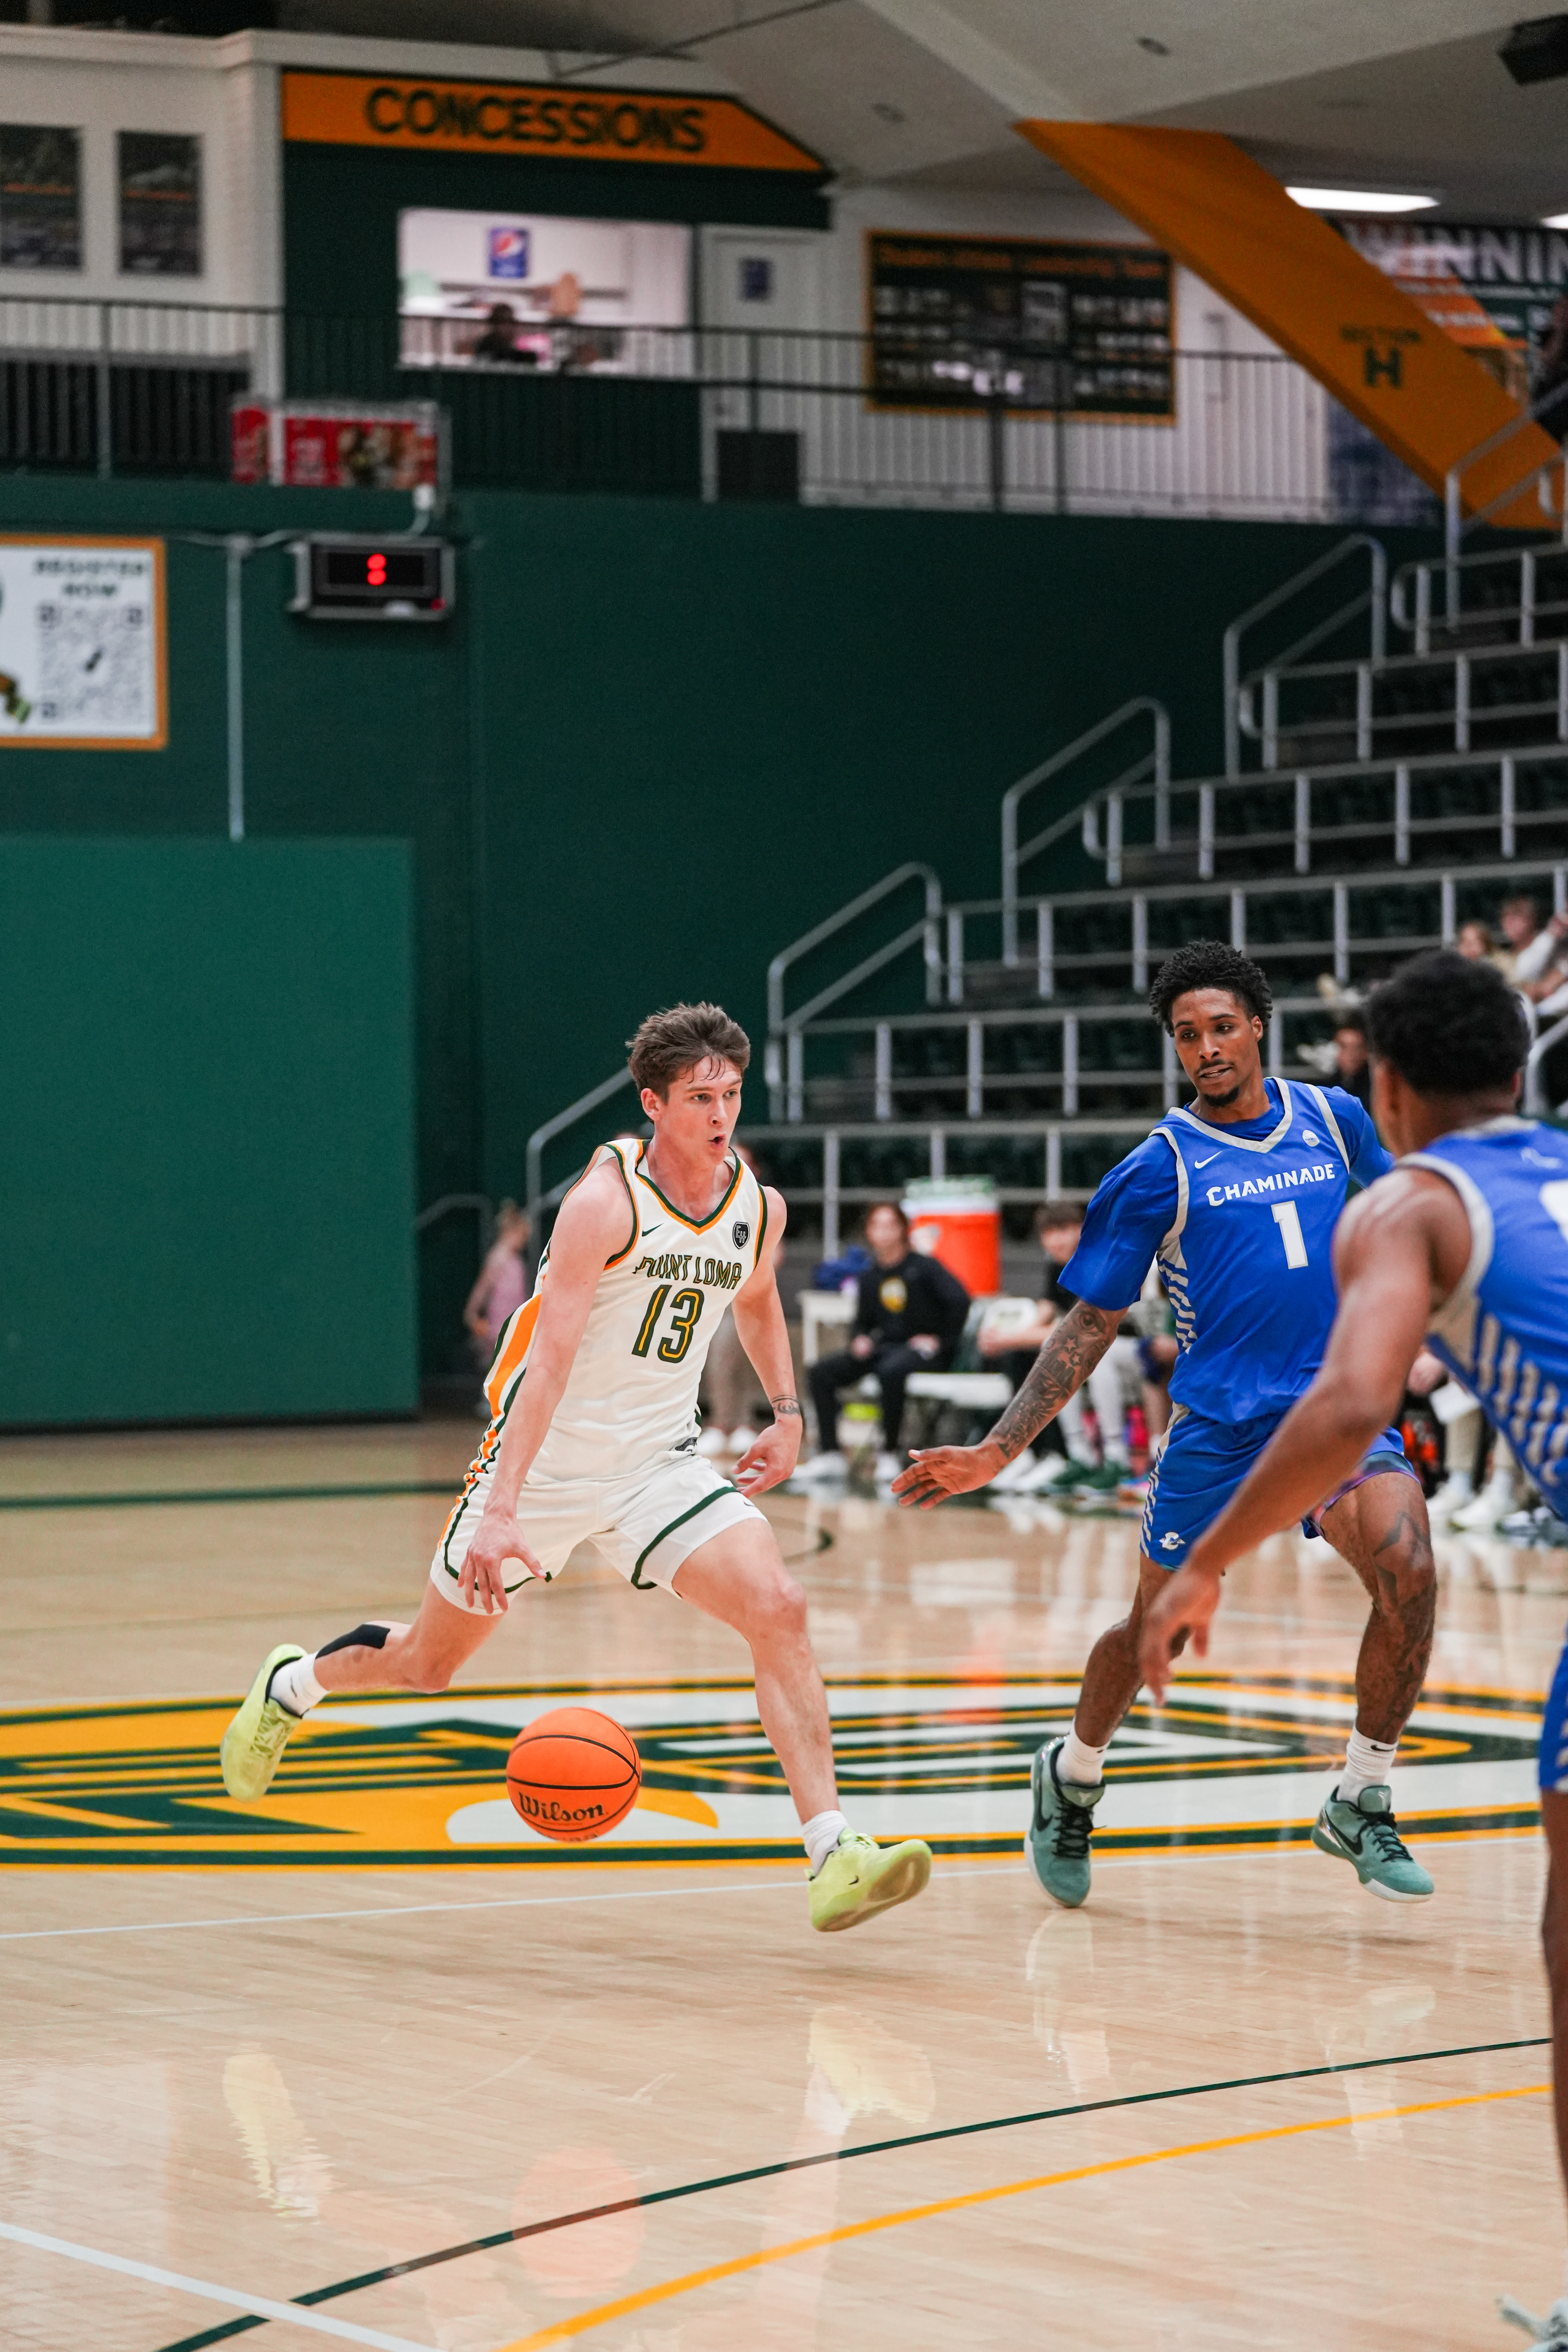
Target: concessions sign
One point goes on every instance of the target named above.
(479, 118)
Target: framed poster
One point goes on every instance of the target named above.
(160, 204)
(40, 197)
(83, 658)
(958, 321)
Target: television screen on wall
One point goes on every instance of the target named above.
(527, 291)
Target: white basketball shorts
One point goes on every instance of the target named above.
(644, 1524)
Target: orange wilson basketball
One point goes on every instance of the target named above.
(574, 1774)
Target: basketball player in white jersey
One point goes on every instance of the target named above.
(594, 1397)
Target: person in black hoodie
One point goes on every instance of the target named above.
(909, 1318)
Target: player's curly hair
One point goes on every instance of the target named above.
(1448, 1025)
(1209, 963)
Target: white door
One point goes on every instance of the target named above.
(761, 301)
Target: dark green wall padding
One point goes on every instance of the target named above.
(206, 1179)
(657, 741)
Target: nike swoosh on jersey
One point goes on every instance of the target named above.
(1204, 1163)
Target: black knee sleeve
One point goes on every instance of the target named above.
(364, 1637)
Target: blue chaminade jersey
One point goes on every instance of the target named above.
(1241, 1219)
(1505, 1330)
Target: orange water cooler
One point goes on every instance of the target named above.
(956, 1220)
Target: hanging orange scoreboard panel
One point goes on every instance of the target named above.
(1369, 345)
(489, 118)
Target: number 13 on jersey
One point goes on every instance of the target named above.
(684, 1308)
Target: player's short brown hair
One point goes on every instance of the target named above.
(1056, 1216)
(678, 1039)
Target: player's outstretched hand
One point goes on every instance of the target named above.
(1185, 1607)
(770, 1457)
(497, 1539)
(938, 1470)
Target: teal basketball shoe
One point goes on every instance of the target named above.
(1061, 1823)
(1366, 1835)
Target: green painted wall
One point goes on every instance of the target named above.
(206, 1174)
(655, 742)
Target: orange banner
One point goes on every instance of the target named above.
(1367, 343)
(481, 118)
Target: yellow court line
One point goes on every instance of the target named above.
(564, 2329)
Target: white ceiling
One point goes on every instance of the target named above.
(1404, 93)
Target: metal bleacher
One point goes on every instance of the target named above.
(1396, 762)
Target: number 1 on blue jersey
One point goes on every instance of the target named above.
(1287, 1217)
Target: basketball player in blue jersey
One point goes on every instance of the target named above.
(1463, 1250)
(1236, 1196)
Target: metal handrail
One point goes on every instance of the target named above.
(535, 1157)
(479, 1201)
(1242, 895)
(1376, 595)
(1207, 790)
(1535, 1102)
(1454, 523)
(928, 926)
(1013, 858)
(1422, 569)
(1048, 1133)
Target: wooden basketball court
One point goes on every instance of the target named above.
(373, 2064)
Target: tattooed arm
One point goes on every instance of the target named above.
(1071, 1351)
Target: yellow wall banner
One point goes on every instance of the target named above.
(1369, 344)
(479, 118)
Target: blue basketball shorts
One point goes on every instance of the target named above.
(1554, 1729)
(1203, 1463)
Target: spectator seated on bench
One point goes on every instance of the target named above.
(909, 1317)
(974, 1391)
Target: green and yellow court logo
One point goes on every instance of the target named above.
(1230, 1761)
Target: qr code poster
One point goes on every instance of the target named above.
(81, 644)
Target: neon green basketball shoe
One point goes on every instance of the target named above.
(254, 1742)
(861, 1878)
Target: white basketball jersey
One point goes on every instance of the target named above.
(631, 1394)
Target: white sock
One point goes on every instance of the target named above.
(1079, 1762)
(295, 1686)
(821, 1834)
(1368, 1763)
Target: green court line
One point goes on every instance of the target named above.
(842, 2155)
(168, 1495)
